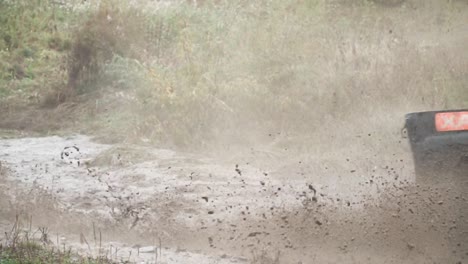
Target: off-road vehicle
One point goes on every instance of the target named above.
(439, 142)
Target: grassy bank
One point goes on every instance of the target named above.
(23, 245)
(34, 38)
(33, 252)
(186, 74)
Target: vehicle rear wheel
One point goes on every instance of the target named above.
(442, 167)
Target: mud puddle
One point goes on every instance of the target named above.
(161, 206)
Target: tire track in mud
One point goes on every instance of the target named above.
(263, 215)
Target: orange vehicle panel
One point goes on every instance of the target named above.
(451, 121)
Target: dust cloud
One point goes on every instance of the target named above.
(314, 168)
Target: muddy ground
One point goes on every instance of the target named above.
(347, 195)
(152, 205)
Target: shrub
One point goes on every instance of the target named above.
(111, 31)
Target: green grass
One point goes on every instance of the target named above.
(29, 252)
(22, 243)
(36, 253)
(22, 246)
(34, 39)
(234, 70)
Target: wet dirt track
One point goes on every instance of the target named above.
(203, 210)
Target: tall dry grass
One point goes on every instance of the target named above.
(242, 70)
(189, 74)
